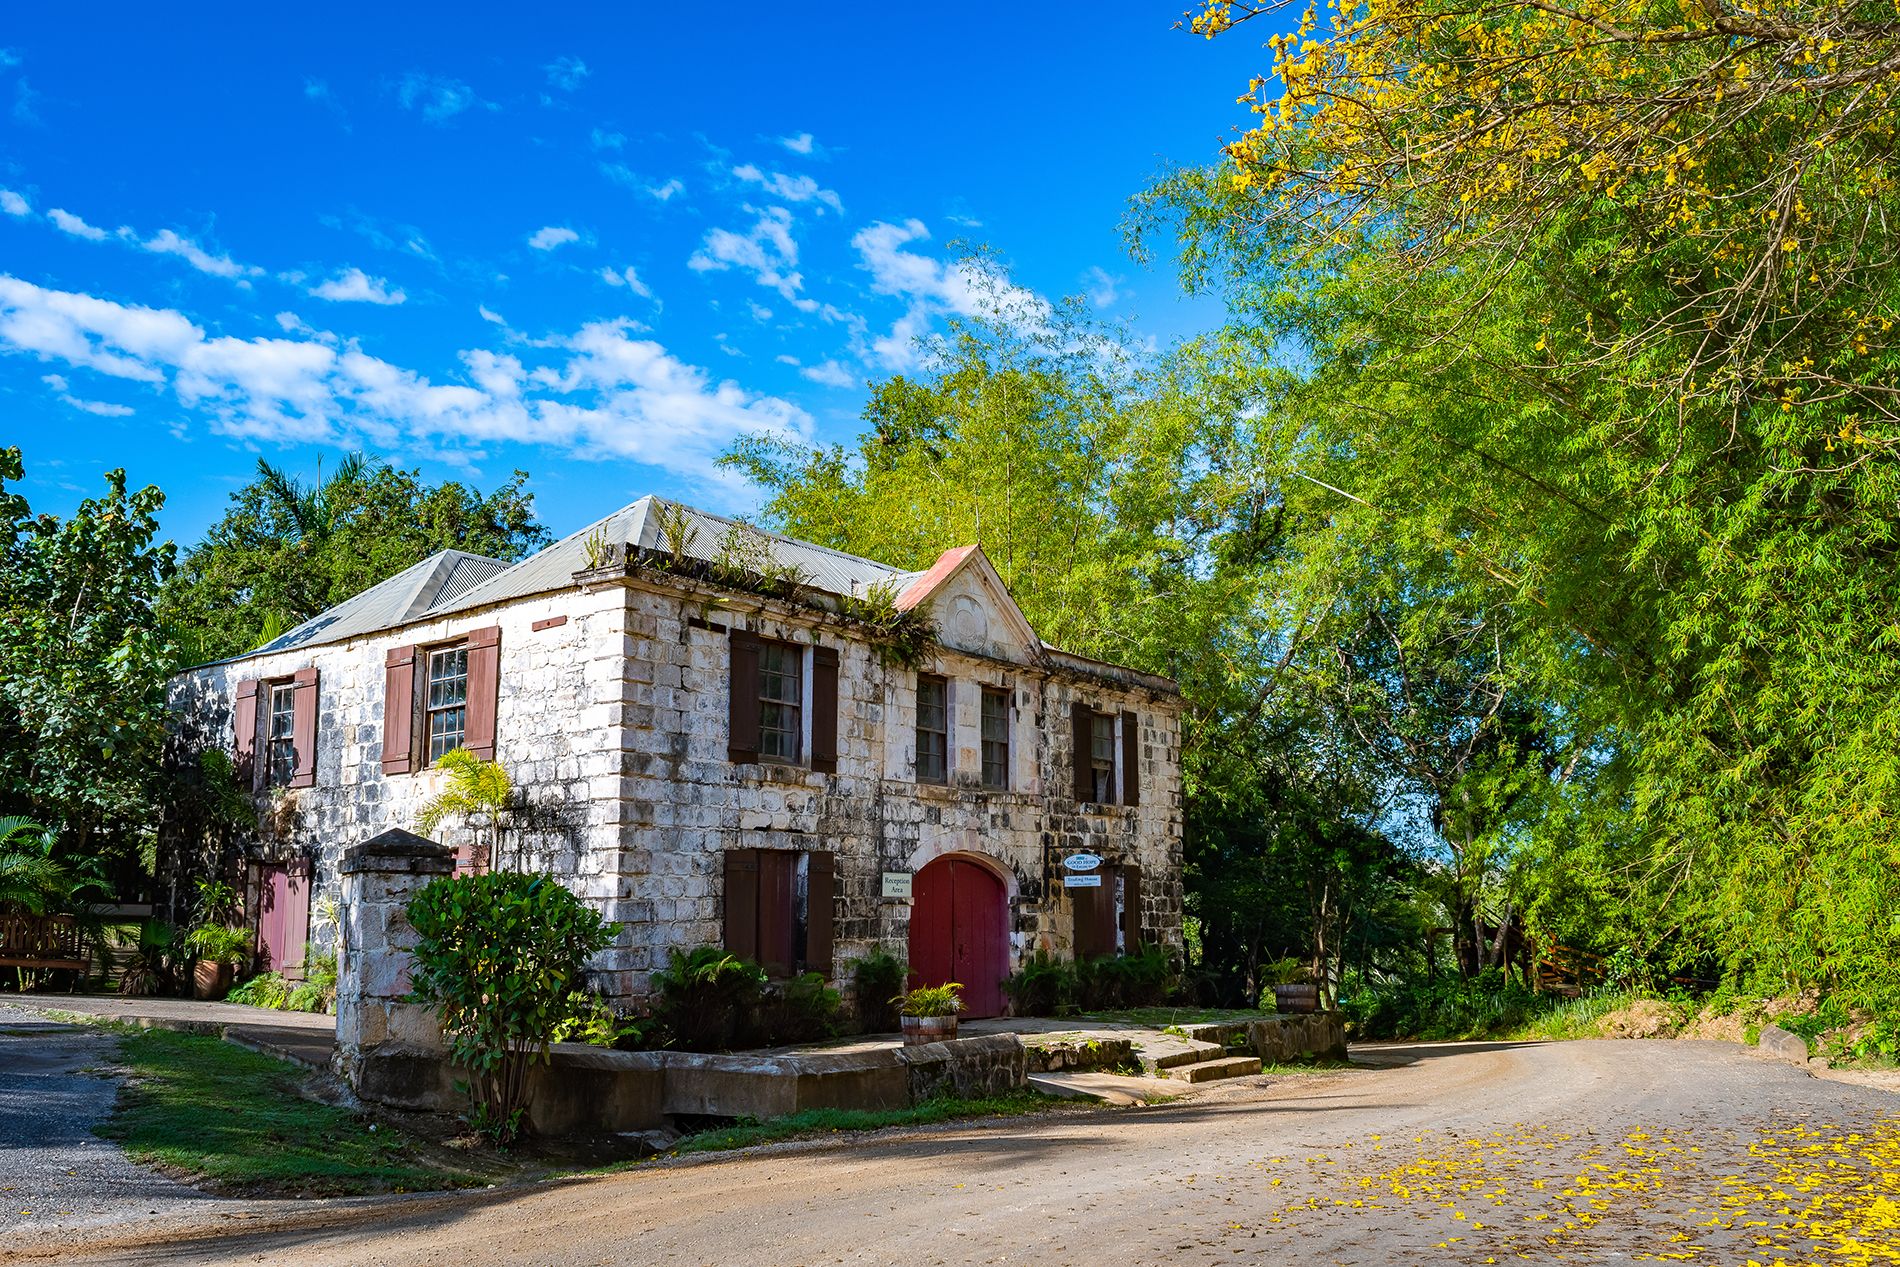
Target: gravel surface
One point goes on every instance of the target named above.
(55, 1085)
(1453, 1153)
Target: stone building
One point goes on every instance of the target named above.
(721, 736)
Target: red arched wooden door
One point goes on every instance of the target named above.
(959, 931)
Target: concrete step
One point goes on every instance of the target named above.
(1105, 1088)
(1177, 1053)
(1209, 1070)
(1219, 1032)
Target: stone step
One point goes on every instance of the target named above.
(1174, 1055)
(1219, 1032)
(1209, 1070)
(1105, 1088)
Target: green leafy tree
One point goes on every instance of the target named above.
(83, 660)
(285, 550)
(478, 793)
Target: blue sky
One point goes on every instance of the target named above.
(598, 244)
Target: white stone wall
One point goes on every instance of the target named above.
(613, 726)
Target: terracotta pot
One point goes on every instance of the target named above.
(1296, 998)
(211, 980)
(928, 1029)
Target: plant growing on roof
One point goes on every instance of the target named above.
(901, 636)
(600, 551)
(676, 529)
(501, 956)
(477, 792)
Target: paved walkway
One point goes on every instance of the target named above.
(302, 1037)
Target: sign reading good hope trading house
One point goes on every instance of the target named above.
(1082, 871)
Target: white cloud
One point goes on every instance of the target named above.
(550, 236)
(768, 252)
(800, 144)
(165, 242)
(356, 286)
(933, 287)
(438, 98)
(605, 140)
(760, 313)
(621, 174)
(67, 222)
(1104, 287)
(628, 278)
(13, 204)
(566, 73)
(830, 374)
(104, 409)
(665, 191)
(790, 188)
(602, 392)
(490, 316)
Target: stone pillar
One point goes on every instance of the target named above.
(389, 1049)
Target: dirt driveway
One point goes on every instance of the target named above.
(1470, 1153)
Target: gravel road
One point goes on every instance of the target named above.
(1468, 1153)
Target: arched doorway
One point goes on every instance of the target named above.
(959, 931)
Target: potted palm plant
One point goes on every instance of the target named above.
(929, 1012)
(216, 941)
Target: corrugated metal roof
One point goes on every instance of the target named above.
(404, 597)
(639, 524)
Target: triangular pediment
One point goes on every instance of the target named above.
(972, 607)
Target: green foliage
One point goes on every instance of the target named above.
(149, 968)
(499, 956)
(592, 1020)
(1043, 986)
(931, 1000)
(35, 878)
(876, 979)
(266, 989)
(901, 635)
(708, 998)
(222, 944)
(82, 666)
(477, 792)
(286, 550)
(800, 1010)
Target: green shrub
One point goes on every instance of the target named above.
(1143, 979)
(219, 943)
(875, 980)
(931, 1000)
(708, 998)
(1043, 986)
(266, 989)
(317, 992)
(499, 955)
(801, 1010)
(592, 1020)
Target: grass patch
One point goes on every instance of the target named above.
(815, 1123)
(233, 1120)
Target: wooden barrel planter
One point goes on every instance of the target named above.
(928, 1029)
(1296, 998)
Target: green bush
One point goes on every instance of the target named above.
(801, 1010)
(266, 989)
(219, 943)
(875, 980)
(499, 955)
(317, 993)
(1043, 986)
(592, 1020)
(708, 998)
(1143, 979)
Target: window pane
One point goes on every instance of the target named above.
(995, 738)
(933, 729)
(280, 753)
(1102, 758)
(781, 688)
(447, 700)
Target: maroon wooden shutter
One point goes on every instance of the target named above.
(1131, 759)
(303, 730)
(1094, 919)
(742, 739)
(484, 690)
(1131, 908)
(824, 709)
(399, 710)
(778, 913)
(820, 887)
(742, 902)
(1083, 718)
(244, 732)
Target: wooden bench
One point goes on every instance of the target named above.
(42, 942)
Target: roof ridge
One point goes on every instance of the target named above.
(779, 536)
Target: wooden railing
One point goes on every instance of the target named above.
(41, 941)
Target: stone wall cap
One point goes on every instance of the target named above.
(397, 850)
